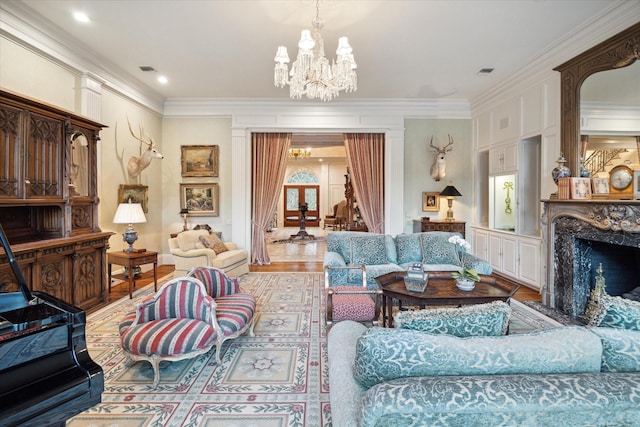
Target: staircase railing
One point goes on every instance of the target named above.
(598, 159)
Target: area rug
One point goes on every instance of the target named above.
(277, 378)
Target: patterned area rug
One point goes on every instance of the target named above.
(277, 378)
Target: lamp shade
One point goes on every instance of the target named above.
(129, 213)
(450, 191)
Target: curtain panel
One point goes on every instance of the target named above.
(269, 163)
(365, 157)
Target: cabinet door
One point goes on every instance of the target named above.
(510, 158)
(509, 256)
(44, 147)
(529, 262)
(480, 244)
(87, 282)
(52, 275)
(10, 153)
(495, 251)
(496, 160)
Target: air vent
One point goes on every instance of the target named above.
(485, 71)
(147, 68)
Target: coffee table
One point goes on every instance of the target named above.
(441, 290)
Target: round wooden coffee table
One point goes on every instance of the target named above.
(441, 290)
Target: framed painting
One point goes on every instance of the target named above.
(580, 188)
(135, 194)
(199, 160)
(200, 199)
(430, 201)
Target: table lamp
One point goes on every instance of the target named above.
(184, 212)
(129, 213)
(450, 192)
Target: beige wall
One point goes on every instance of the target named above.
(418, 159)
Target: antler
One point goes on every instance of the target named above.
(431, 144)
(141, 139)
(446, 147)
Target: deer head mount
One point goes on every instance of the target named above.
(438, 168)
(138, 164)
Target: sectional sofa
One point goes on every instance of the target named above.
(383, 253)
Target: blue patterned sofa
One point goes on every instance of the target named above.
(569, 376)
(382, 254)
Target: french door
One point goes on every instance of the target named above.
(296, 195)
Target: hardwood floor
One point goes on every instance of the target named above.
(121, 290)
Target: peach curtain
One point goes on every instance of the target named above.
(269, 157)
(365, 157)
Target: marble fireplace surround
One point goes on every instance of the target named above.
(569, 225)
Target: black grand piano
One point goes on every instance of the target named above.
(46, 373)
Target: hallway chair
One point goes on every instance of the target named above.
(337, 220)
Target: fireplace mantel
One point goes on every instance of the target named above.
(563, 221)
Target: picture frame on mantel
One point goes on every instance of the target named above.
(200, 199)
(199, 160)
(580, 188)
(430, 201)
(135, 194)
(636, 184)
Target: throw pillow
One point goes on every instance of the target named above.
(490, 319)
(620, 349)
(213, 242)
(401, 353)
(617, 312)
(408, 247)
(368, 250)
(436, 249)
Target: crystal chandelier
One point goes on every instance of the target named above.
(311, 73)
(299, 153)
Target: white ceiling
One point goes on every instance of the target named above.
(405, 49)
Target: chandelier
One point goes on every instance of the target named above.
(311, 74)
(299, 153)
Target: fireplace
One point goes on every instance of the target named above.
(579, 236)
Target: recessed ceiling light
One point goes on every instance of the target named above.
(81, 17)
(163, 80)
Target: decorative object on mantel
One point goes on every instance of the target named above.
(596, 294)
(311, 73)
(450, 192)
(561, 170)
(620, 180)
(636, 183)
(438, 168)
(138, 164)
(600, 188)
(580, 188)
(466, 278)
(129, 213)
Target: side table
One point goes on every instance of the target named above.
(132, 260)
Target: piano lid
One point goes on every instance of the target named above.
(24, 289)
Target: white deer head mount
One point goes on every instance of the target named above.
(138, 164)
(438, 168)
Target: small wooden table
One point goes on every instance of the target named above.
(132, 260)
(441, 290)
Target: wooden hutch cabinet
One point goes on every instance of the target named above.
(49, 201)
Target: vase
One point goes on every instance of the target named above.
(465, 284)
(560, 171)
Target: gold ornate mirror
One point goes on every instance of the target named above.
(619, 51)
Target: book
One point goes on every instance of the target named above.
(415, 270)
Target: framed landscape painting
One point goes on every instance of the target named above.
(199, 160)
(135, 194)
(200, 199)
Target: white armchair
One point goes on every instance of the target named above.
(189, 251)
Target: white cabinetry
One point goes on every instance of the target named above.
(529, 268)
(480, 243)
(503, 158)
(503, 253)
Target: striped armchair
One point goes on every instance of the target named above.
(235, 309)
(178, 323)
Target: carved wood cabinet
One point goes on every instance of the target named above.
(49, 201)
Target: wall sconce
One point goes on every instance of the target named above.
(184, 212)
(450, 192)
(129, 213)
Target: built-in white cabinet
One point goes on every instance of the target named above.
(480, 243)
(503, 253)
(529, 268)
(503, 158)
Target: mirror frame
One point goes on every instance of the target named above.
(619, 51)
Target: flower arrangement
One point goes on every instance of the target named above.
(462, 246)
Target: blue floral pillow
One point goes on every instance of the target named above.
(617, 312)
(368, 250)
(408, 248)
(620, 349)
(436, 249)
(490, 319)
